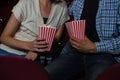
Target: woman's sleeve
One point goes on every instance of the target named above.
(65, 17)
(18, 11)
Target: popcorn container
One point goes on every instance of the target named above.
(47, 33)
(76, 28)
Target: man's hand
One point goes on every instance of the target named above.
(83, 45)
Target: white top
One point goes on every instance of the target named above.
(27, 12)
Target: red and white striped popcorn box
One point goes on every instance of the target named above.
(47, 33)
(76, 28)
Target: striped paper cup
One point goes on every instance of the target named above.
(76, 28)
(47, 33)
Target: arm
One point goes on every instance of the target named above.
(105, 46)
(59, 33)
(109, 46)
(112, 45)
(7, 36)
(63, 18)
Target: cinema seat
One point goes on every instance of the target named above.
(15, 68)
(5, 12)
(112, 73)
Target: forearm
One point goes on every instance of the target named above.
(59, 33)
(15, 43)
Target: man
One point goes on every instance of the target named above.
(100, 47)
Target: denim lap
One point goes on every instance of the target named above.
(5, 53)
(71, 64)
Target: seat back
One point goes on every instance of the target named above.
(112, 73)
(15, 68)
(5, 12)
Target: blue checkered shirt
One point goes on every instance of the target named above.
(107, 23)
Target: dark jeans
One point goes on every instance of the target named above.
(71, 64)
(5, 53)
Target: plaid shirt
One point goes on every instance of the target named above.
(107, 23)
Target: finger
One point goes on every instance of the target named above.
(73, 38)
(40, 46)
(38, 40)
(42, 42)
(74, 42)
(40, 50)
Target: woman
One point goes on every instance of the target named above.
(19, 37)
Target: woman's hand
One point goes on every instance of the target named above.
(31, 56)
(38, 45)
